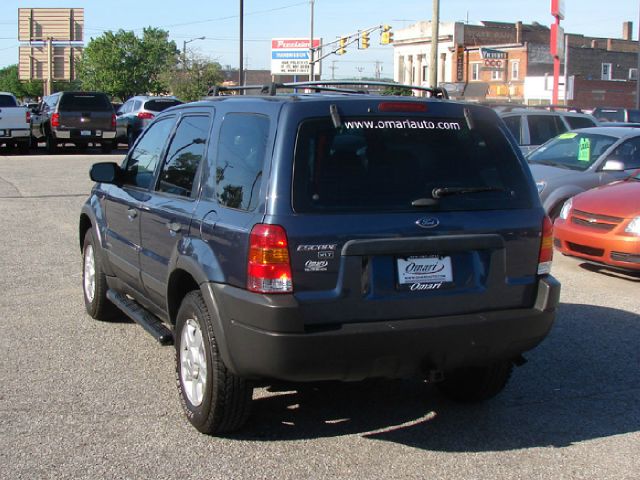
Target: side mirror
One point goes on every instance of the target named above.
(613, 164)
(105, 172)
(119, 113)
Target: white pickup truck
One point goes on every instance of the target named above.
(15, 123)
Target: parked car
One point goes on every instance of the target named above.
(603, 225)
(617, 114)
(532, 127)
(322, 236)
(75, 117)
(14, 123)
(583, 159)
(137, 112)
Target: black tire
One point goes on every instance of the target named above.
(52, 145)
(97, 303)
(106, 147)
(223, 403)
(23, 147)
(476, 384)
(131, 138)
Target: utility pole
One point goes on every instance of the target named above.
(311, 51)
(435, 33)
(638, 73)
(333, 69)
(240, 69)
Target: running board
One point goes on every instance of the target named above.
(138, 314)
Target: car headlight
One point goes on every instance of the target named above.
(566, 208)
(634, 226)
(540, 186)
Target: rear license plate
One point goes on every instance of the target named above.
(85, 133)
(423, 270)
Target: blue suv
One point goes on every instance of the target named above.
(330, 235)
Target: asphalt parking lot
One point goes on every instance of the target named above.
(85, 399)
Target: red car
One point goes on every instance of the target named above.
(603, 225)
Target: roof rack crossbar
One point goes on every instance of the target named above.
(327, 86)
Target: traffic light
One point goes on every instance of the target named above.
(342, 46)
(386, 37)
(364, 40)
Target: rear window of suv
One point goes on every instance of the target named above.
(385, 164)
(85, 102)
(160, 105)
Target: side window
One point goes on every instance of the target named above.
(634, 116)
(184, 155)
(543, 128)
(628, 153)
(241, 151)
(144, 158)
(513, 124)
(579, 122)
(126, 107)
(136, 105)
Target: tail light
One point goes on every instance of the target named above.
(113, 120)
(145, 116)
(27, 116)
(546, 247)
(55, 120)
(269, 267)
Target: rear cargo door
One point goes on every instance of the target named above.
(86, 112)
(410, 216)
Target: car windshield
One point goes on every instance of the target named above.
(572, 150)
(160, 104)
(389, 164)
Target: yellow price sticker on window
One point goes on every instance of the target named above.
(566, 136)
(584, 150)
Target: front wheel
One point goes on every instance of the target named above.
(94, 282)
(214, 399)
(476, 384)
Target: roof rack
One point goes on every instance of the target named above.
(327, 86)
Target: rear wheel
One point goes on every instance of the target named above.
(106, 147)
(214, 399)
(475, 384)
(131, 138)
(52, 145)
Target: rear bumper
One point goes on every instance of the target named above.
(76, 135)
(15, 134)
(354, 351)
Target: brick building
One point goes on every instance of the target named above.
(511, 62)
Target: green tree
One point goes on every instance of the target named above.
(122, 64)
(9, 82)
(191, 81)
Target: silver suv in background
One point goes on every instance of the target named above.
(137, 112)
(533, 127)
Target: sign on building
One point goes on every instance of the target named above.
(290, 56)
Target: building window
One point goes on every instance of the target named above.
(475, 71)
(497, 74)
(606, 71)
(515, 70)
(425, 72)
(400, 69)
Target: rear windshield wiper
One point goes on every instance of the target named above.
(440, 192)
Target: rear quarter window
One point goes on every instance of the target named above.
(384, 164)
(579, 122)
(543, 128)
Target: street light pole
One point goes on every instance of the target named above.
(184, 50)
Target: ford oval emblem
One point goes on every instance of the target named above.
(428, 222)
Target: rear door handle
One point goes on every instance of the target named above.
(174, 227)
(132, 213)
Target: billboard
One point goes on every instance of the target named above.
(290, 56)
(57, 24)
(34, 62)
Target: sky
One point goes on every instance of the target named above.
(218, 22)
